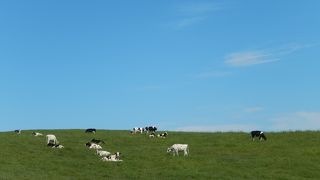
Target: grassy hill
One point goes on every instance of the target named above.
(290, 155)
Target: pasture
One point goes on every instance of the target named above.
(286, 155)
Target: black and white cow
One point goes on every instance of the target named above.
(51, 139)
(258, 134)
(91, 130)
(17, 131)
(88, 144)
(163, 135)
(97, 141)
(58, 146)
(52, 145)
(137, 130)
(151, 129)
(37, 134)
(152, 135)
(114, 157)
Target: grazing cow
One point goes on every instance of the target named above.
(178, 147)
(258, 134)
(136, 129)
(37, 134)
(17, 131)
(91, 130)
(103, 153)
(97, 141)
(163, 135)
(151, 129)
(95, 146)
(52, 139)
(114, 157)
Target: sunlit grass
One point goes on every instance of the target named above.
(288, 155)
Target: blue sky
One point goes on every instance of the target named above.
(180, 65)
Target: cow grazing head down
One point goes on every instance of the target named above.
(91, 130)
(262, 136)
(258, 134)
(52, 139)
(17, 131)
(178, 147)
(151, 129)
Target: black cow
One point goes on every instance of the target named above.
(91, 130)
(258, 134)
(97, 141)
(151, 129)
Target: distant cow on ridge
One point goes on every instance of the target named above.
(91, 130)
(151, 129)
(258, 134)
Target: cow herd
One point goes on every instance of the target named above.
(147, 129)
(151, 130)
(96, 144)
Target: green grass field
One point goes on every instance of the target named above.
(288, 155)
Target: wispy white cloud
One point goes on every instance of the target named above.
(297, 121)
(254, 57)
(219, 128)
(198, 8)
(188, 22)
(212, 74)
(253, 109)
(248, 58)
(194, 13)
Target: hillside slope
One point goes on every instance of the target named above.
(290, 155)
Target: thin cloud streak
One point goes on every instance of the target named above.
(198, 8)
(249, 58)
(255, 57)
(188, 22)
(253, 109)
(194, 13)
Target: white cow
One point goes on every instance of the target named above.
(178, 147)
(114, 157)
(95, 146)
(52, 139)
(103, 153)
